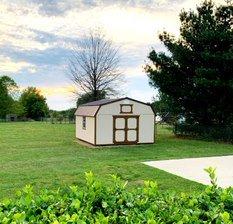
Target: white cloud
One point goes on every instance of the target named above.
(142, 95)
(190, 4)
(53, 90)
(135, 71)
(60, 102)
(138, 24)
(8, 65)
(134, 25)
(59, 97)
(123, 24)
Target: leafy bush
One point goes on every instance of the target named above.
(214, 132)
(97, 203)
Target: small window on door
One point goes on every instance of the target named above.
(84, 123)
(126, 108)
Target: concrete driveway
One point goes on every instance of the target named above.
(193, 169)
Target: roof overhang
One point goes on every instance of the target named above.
(89, 111)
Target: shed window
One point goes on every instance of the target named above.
(126, 108)
(84, 123)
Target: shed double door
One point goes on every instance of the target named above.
(125, 129)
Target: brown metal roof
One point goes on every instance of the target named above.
(86, 111)
(101, 102)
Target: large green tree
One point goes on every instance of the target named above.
(7, 87)
(196, 72)
(163, 109)
(34, 103)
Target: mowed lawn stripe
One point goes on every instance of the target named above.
(47, 156)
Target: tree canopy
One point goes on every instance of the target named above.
(7, 86)
(195, 74)
(34, 103)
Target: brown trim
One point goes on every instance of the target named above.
(126, 129)
(137, 129)
(95, 128)
(95, 132)
(155, 129)
(117, 100)
(138, 143)
(95, 117)
(117, 145)
(84, 121)
(85, 141)
(97, 111)
(121, 108)
(83, 116)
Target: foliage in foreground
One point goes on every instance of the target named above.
(97, 203)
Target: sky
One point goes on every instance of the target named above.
(36, 39)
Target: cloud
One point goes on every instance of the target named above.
(20, 37)
(9, 66)
(132, 72)
(21, 22)
(190, 4)
(60, 102)
(135, 25)
(59, 97)
(142, 95)
(54, 90)
(24, 26)
(36, 38)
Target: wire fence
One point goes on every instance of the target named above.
(213, 132)
(42, 119)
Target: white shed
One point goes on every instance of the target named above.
(115, 121)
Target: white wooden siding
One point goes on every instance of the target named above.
(87, 134)
(104, 122)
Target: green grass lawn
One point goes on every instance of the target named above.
(47, 155)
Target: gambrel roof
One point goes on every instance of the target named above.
(91, 109)
(101, 102)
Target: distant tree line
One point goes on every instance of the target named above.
(66, 116)
(30, 104)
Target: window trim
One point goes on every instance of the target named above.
(123, 112)
(84, 122)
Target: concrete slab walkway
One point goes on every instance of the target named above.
(193, 168)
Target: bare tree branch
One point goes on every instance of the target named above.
(94, 65)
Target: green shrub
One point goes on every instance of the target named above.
(214, 132)
(98, 204)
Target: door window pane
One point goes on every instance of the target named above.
(120, 136)
(132, 135)
(120, 123)
(132, 123)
